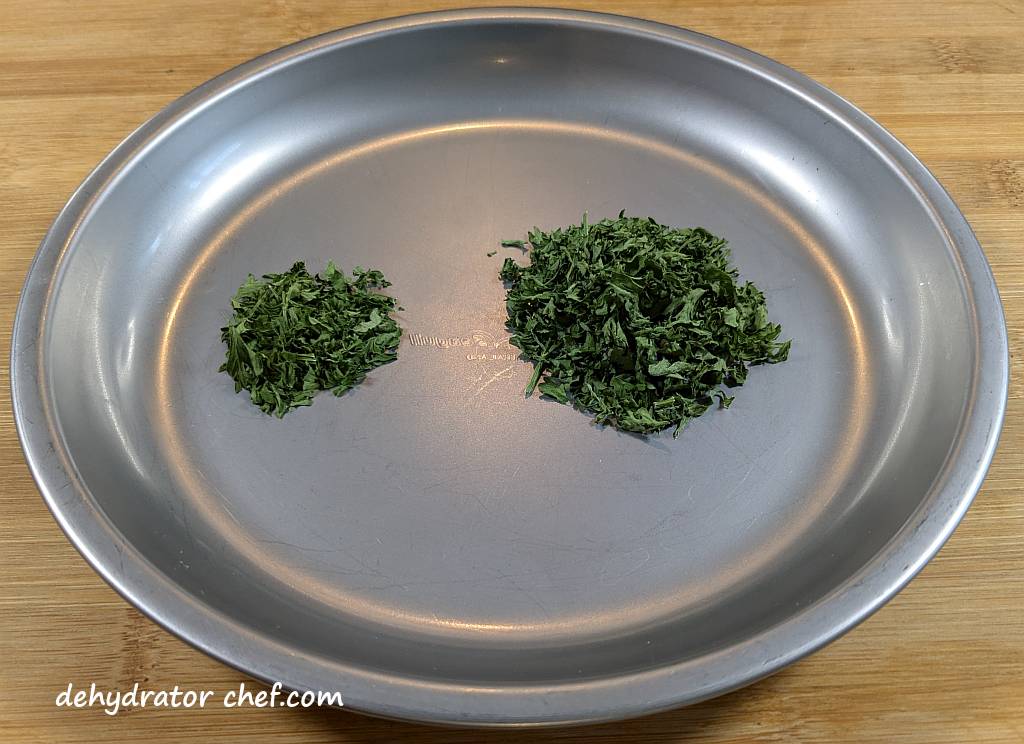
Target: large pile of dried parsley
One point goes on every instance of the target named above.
(293, 334)
(638, 323)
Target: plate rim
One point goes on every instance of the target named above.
(586, 701)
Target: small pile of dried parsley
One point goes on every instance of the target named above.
(638, 323)
(293, 334)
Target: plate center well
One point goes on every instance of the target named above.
(434, 496)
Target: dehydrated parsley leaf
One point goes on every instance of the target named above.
(293, 334)
(638, 323)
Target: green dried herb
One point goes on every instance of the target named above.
(293, 334)
(637, 323)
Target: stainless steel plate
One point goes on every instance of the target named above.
(433, 545)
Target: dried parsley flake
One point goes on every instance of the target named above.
(294, 334)
(638, 323)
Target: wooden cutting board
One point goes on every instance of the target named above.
(944, 662)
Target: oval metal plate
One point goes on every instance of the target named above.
(433, 545)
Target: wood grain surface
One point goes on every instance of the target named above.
(943, 662)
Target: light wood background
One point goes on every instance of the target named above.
(944, 662)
